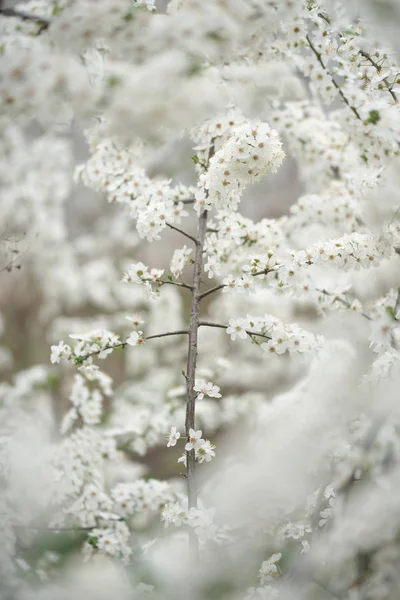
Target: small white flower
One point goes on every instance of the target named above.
(237, 327)
(182, 459)
(135, 339)
(206, 389)
(173, 436)
(173, 514)
(195, 440)
(180, 260)
(212, 266)
(269, 570)
(229, 283)
(305, 547)
(135, 319)
(206, 452)
(156, 274)
(59, 352)
(136, 273)
(244, 283)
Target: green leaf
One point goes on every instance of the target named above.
(390, 311)
(194, 68)
(92, 541)
(52, 381)
(57, 8)
(374, 117)
(113, 81)
(195, 159)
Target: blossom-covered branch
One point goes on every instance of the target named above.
(335, 83)
(11, 12)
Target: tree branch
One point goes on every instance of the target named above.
(11, 12)
(123, 344)
(182, 232)
(397, 305)
(222, 285)
(263, 272)
(251, 333)
(160, 335)
(337, 86)
(191, 365)
(211, 291)
(183, 285)
(36, 528)
(344, 302)
(378, 68)
(185, 201)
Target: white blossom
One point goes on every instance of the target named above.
(206, 389)
(173, 437)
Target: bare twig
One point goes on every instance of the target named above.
(211, 291)
(160, 335)
(183, 285)
(263, 272)
(182, 232)
(185, 201)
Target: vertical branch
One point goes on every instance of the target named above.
(192, 356)
(191, 365)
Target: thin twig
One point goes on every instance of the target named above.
(36, 528)
(337, 86)
(397, 305)
(11, 12)
(251, 333)
(211, 291)
(222, 285)
(182, 232)
(327, 590)
(378, 68)
(185, 201)
(123, 344)
(183, 285)
(160, 335)
(344, 302)
(263, 272)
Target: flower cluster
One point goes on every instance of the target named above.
(249, 154)
(269, 569)
(139, 273)
(201, 520)
(204, 449)
(384, 316)
(180, 259)
(94, 343)
(281, 338)
(316, 247)
(206, 389)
